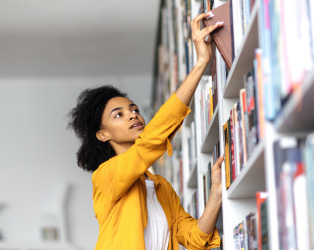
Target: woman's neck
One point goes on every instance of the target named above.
(120, 148)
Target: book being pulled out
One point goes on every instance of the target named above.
(222, 36)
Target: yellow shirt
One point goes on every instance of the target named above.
(119, 190)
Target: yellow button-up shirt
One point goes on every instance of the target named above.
(119, 190)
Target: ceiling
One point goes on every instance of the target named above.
(85, 38)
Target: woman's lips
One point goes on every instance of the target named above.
(137, 125)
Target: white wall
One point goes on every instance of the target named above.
(38, 154)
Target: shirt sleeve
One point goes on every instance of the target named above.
(118, 174)
(186, 228)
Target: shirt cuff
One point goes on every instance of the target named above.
(210, 240)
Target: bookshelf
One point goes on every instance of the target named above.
(289, 126)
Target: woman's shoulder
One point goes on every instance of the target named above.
(103, 167)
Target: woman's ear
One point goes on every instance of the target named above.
(102, 136)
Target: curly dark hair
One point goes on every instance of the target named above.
(85, 120)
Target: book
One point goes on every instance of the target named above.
(252, 136)
(258, 69)
(244, 123)
(237, 150)
(300, 207)
(227, 155)
(264, 226)
(309, 170)
(232, 146)
(260, 198)
(240, 136)
(287, 155)
(230, 150)
(222, 36)
(251, 231)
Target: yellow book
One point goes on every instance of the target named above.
(227, 158)
(211, 102)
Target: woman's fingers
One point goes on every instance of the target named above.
(207, 30)
(195, 24)
(218, 163)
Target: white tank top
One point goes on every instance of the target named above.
(157, 232)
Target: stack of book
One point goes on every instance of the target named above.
(208, 102)
(287, 43)
(187, 34)
(244, 128)
(294, 187)
(207, 5)
(240, 14)
(252, 232)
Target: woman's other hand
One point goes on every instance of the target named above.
(216, 174)
(204, 49)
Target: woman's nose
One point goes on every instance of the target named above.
(133, 116)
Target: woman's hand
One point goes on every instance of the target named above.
(216, 175)
(204, 50)
(209, 217)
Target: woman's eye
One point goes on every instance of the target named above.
(118, 115)
(135, 111)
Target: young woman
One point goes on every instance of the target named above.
(136, 209)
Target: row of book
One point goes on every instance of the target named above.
(208, 101)
(207, 5)
(252, 232)
(294, 161)
(240, 13)
(242, 130)
(187, 34)
(170, 69)
(287, 43)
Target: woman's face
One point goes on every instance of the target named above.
(121, 122)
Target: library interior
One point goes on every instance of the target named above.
(252, 104)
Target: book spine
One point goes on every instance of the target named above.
(300, 206)
(309, 170)
(230, 153)
(260, 93)
(227, 160)
(236, 140)
(260, 198)
(243, 124)
(232, 145)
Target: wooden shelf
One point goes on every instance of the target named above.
(192, 182)
(252, 176)
(297, 114)
(243, 62)
(212, 134)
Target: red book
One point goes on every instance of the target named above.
(244, 127)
